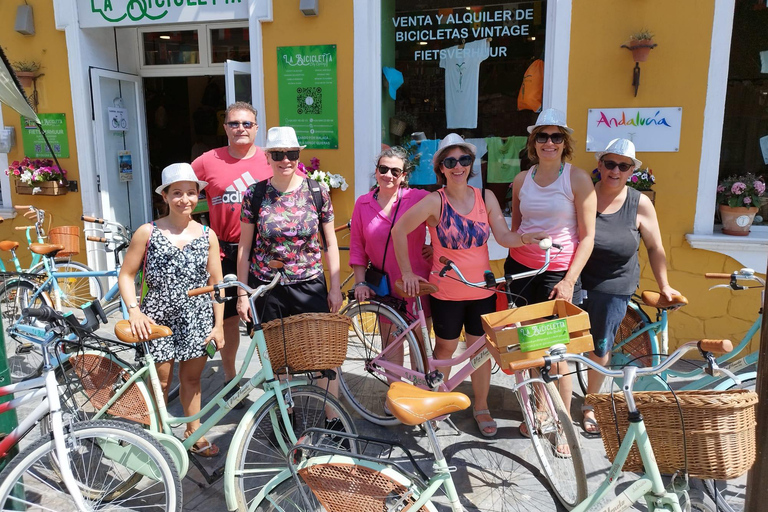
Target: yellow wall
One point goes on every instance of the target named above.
(47, 46)
(600, 76)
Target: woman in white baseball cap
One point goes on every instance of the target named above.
(176, 254)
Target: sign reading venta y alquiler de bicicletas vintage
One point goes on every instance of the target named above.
(126, 13)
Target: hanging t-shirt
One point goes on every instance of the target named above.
(424, 173)
(504, 158)
(477, 180)
(462, 73)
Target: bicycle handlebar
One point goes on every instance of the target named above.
(95, 220)
(717, 275)
(23, 228)
(23, 207)
(344, 226)
(96, 239)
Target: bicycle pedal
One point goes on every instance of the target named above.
(25, 348)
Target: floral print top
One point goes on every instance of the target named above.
(287, 230)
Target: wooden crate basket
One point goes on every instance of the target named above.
(68, 236)
(503, 339)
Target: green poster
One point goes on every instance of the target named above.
(55, 126)
(307, 94)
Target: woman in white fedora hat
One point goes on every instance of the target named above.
(459, 218)
(176, 254)
(612, 274)
(558, 198)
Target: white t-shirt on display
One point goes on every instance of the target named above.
(462, 73)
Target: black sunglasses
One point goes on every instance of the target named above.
(278, 156)
(383, 169)
(556, 138)
(463, 160)
(611, 165)
(246, 124)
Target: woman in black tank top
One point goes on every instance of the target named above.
(612, 274)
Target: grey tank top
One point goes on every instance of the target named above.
(613, 266)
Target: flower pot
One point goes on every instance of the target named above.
(737, 220)
(25, 78)
(46, 188)
(651, 195)
(396, 126)
(641, 49)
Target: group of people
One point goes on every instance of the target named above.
(263, 208)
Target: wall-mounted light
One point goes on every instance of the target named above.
(423, 43)
(309, 7)
(640, 48)
(25, 22)
(165, 37)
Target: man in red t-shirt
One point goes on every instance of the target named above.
(229, 172)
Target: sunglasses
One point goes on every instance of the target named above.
(278, 156)
(246, 124)
(463, 160)
(383, 169)
(611, 165)
(556, 138)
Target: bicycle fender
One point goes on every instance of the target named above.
(175, 449)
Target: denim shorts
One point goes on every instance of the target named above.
(606, 311)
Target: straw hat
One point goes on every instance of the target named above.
(449, 141)
(551, 117)
(282, 137)
(179, 172)
(622, 147)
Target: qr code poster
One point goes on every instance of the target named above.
(308, 94)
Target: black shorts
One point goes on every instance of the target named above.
(291, 299)
(449, 316)
(229, 266)
(537, 288)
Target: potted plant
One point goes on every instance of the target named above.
(640, 179)
(640, 43)
(738, 198)
(327, 179)
(26, 71)
(38, 177)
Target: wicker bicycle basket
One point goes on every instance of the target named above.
(68, 236)
(309, 341)
(639, 349)
(719, 430)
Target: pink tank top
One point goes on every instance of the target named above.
(550, 209)
(462, 239)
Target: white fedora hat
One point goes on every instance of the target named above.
(449, 141)
(551, 117)
(282, 137)
(623, 147)
(179, 172)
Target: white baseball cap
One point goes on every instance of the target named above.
(551, 117)
(622, 147)
(179, 172)
(282, 137)
(449, 141)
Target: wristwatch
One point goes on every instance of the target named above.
(132, 305)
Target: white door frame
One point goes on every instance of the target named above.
(232, 68)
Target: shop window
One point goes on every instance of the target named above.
(454, 68)
(230, 44)
(171, 47)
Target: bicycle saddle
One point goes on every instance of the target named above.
(46, 249)
(124, 334)
(8, 245)
(424, 288)
(657, 300)
(414, 406)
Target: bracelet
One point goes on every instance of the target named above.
(361, 283)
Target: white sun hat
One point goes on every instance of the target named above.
(449, 141)
(551, 117)
(282, 137)
(622, 147)
(179, 172)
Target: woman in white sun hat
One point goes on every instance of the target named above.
(177, 254)
(558, 198)
(612, 274)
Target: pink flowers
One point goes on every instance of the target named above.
(740, 191)
(747, 200)
(738, 188)
(759, 186)
(35, 171)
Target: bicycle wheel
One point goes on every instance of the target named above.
(287, 496)
(73, 291)
(96, 453)
(25, 358)
(550, 427)
(260, 457)
(364, 383)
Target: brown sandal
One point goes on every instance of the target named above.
(204, 449)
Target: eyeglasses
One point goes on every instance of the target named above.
(383, 169)
(556, 138)
(246, 124)
(463, 160)
(611, 165)
(278, 156)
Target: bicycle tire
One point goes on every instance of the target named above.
(86, 442)
(75, 291)
(548, 428)
(25, 358)
(260, 457)
(287, 497)
(363, 385)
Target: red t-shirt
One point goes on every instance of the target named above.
(228, 178)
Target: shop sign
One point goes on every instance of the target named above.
(55, 126)
(651, 129)
(131, 13)
(307, 94)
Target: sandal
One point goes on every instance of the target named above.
(204, 448)
(594, 431)
(482, 425)
(523, 428)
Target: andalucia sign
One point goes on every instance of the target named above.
(111, 13)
